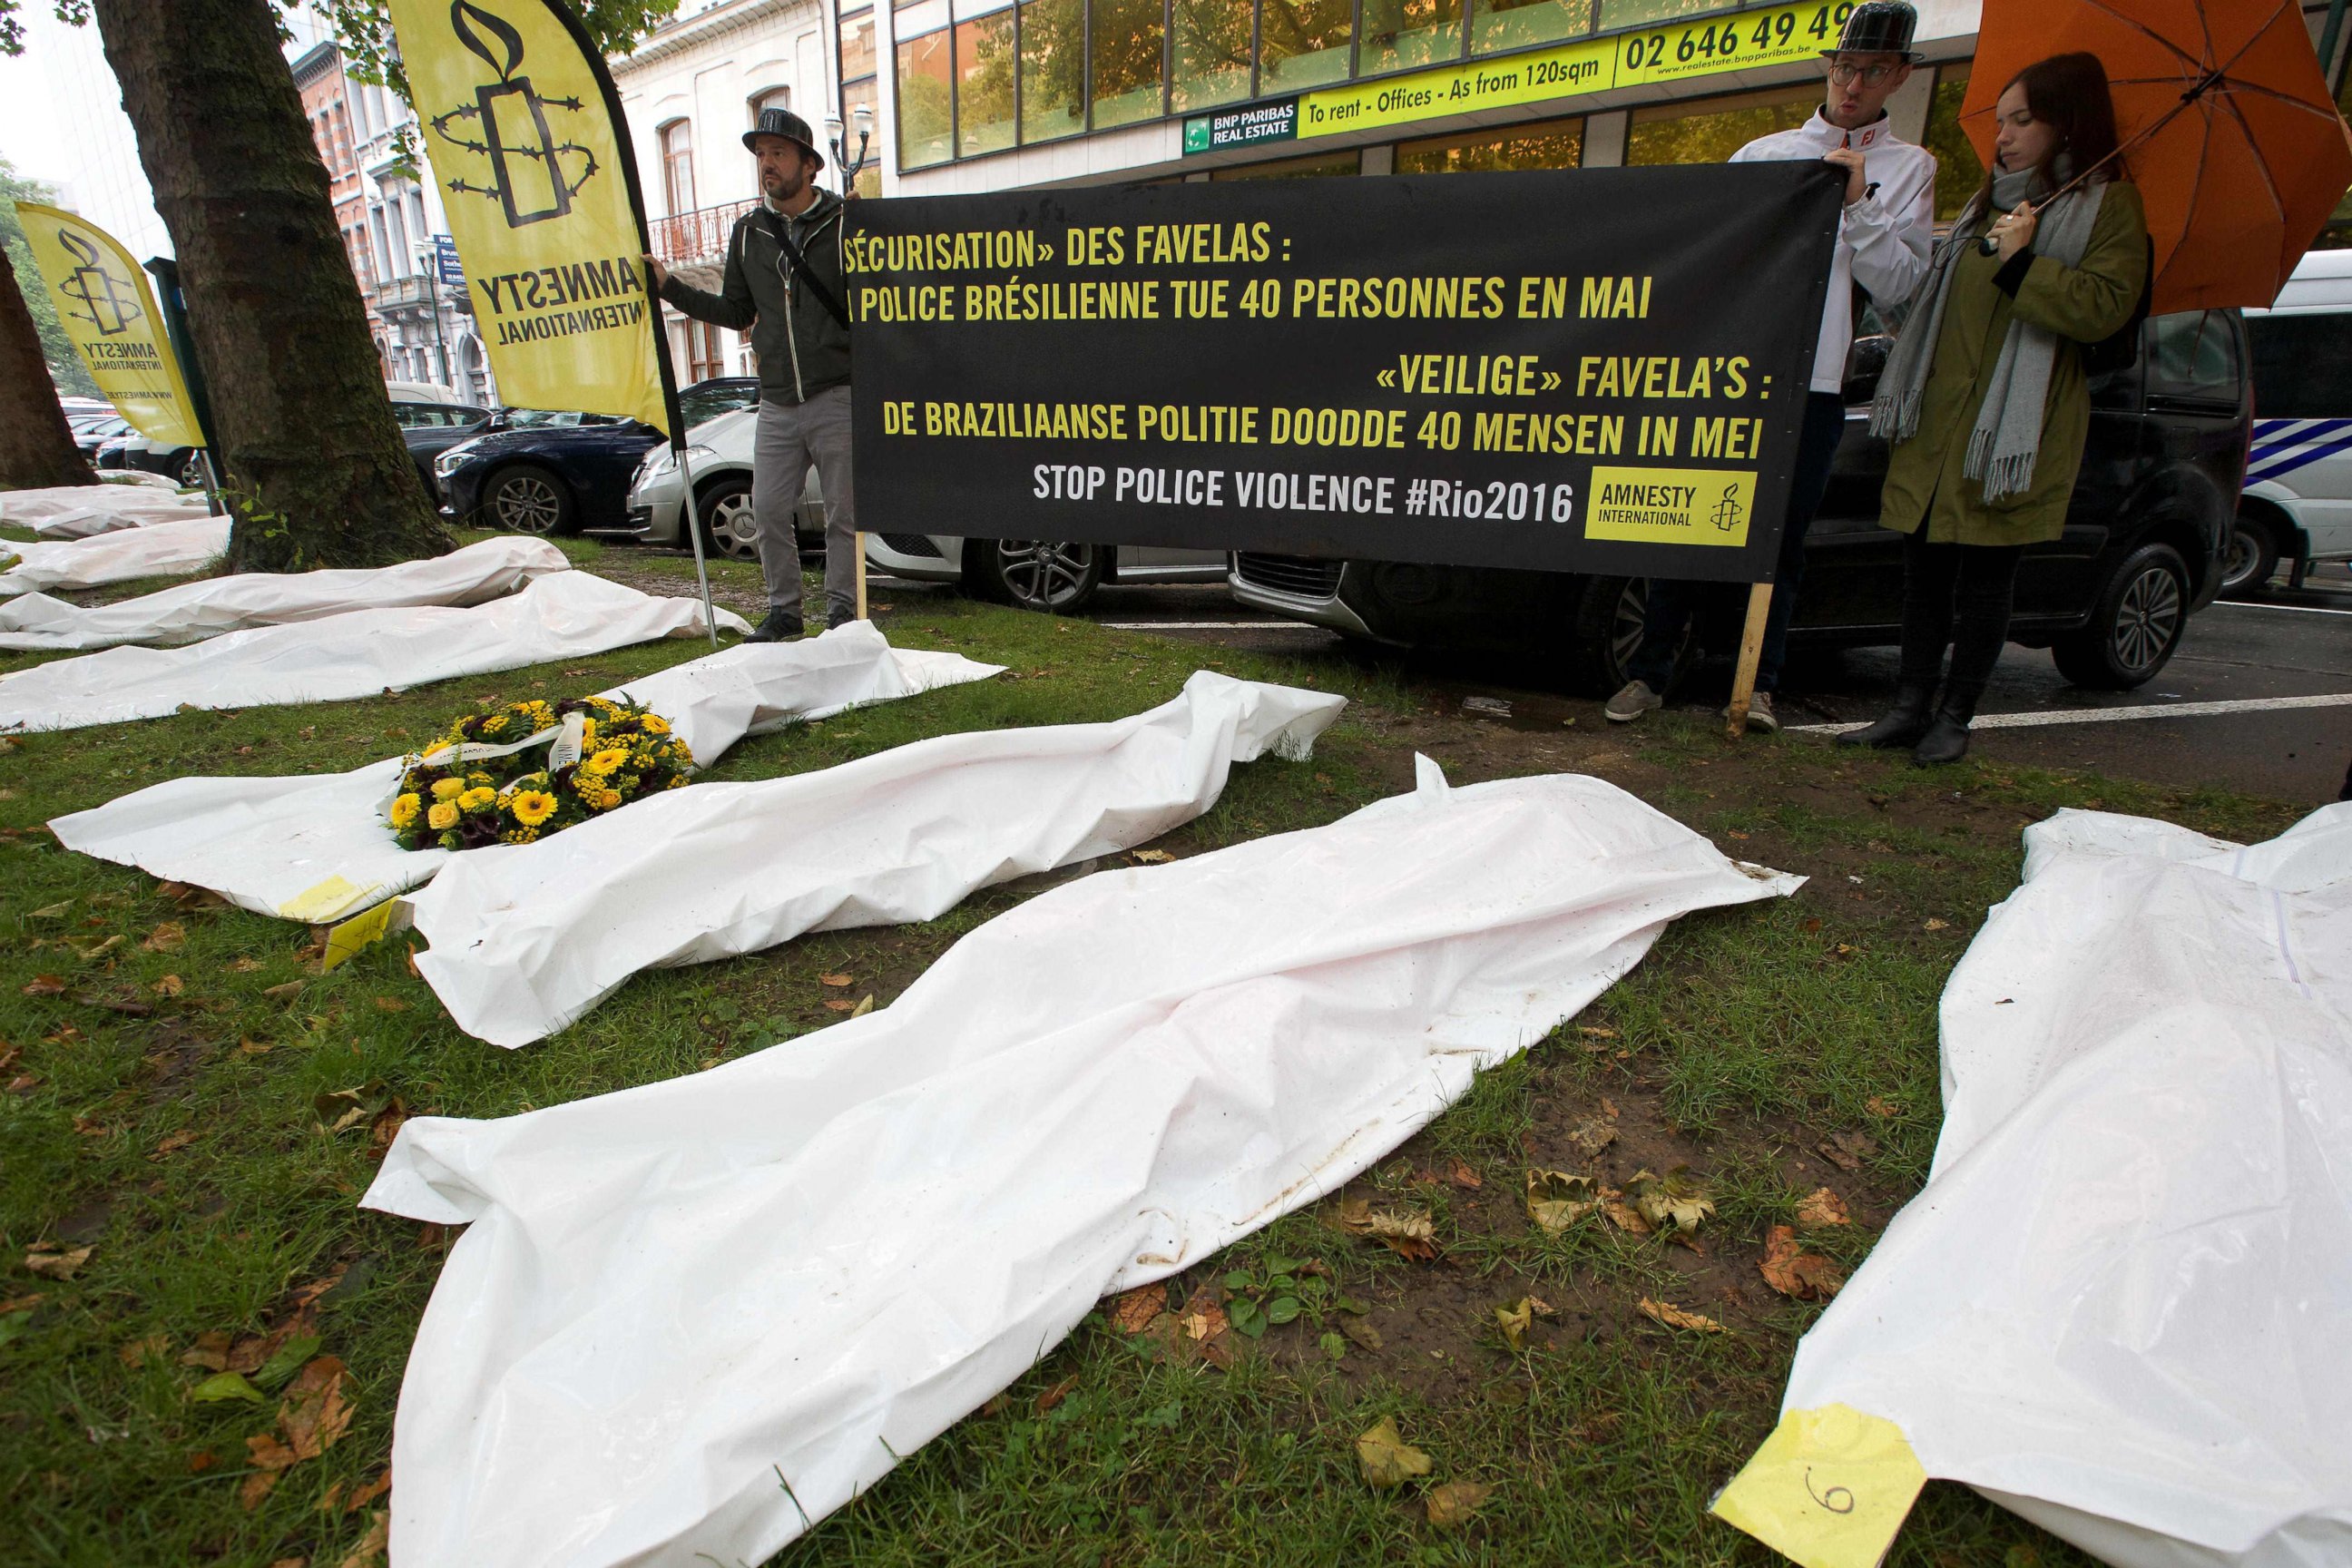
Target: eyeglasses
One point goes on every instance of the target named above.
(1844, 71)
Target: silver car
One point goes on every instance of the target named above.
(1039, 574)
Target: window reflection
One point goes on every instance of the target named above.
(1052, 69)
(1302, 43)
(1209, 53)
(983, 52)
(926, 134)
(1126, 48)
(1550, 144)
(1401, 34)
(1519, 24)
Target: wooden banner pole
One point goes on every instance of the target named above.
(1751, 649)
(861, 578)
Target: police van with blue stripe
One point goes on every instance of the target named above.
(2296, 507)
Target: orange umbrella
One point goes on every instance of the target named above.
(2227, 125)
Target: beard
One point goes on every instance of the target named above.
(783, 185)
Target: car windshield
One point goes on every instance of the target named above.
(543, 419)
(709, 401)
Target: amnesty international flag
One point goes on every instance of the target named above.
(105, 306)
(527, 140)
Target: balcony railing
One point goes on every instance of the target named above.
(697, 235)
(400, 292)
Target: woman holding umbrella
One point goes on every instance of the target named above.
(1985, 397)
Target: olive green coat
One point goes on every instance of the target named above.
(2081, 304)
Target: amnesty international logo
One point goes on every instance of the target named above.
(108, 303)
(1730, 512)
(533, 176)
(1671, 506)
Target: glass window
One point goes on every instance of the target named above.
(926, 128)
(678, 165)
(1713, 130)
(984, 84)
(2302, 366)
(1126, 44)
(1052, 70)
(770, 98)
(1302, 43)
(855, 95)
(1212, 53)
(2193, 354)
(1617, 14)
(1295, 168)
(1959, 174)
(1516, 24)
(858, 46)
(1400, 34)
(1550, 144)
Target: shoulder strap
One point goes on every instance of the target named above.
(783, 236)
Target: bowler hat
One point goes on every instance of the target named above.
(783, 123)
(1879, 27)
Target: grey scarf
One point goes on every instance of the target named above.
(2007, 440)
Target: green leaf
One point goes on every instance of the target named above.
(223, 1385)
(13, 1327)
(1238, 1280)
(288, 1361)
(1283, 1284)
(1282, 1309)
(1334, 1347)
(1255, 1327)
(1241, 1309)
(1350, 1304)
(1282, 1265)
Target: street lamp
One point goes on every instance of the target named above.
(429, 257)
(862, 117)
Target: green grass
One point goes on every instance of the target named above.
(187, 1145)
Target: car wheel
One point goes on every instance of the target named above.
(527, 499)
(1608, 632)
(192, 471)
(2135, 622)
(1042, 575)
(729, 526)
(2251, 557)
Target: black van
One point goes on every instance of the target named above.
(2143, 547)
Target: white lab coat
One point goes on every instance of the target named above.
(1884, 239)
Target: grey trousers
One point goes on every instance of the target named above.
(790, 438)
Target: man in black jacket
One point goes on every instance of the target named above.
(783, 281)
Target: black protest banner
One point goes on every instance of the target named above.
(1591, 370)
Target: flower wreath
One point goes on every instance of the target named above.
(521, 772)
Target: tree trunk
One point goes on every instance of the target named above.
(36, 446)
(315, 465)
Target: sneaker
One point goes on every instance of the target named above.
(781, 625)
(1630, 704)
(1759, 713)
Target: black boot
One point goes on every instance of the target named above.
(780, 626)
(1903, 724)
(1947, 739)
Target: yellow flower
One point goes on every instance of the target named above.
(476, 799)
(677, 783)
(531, 807)
(403, 809)
(654, 724)
(605, 760)
(448, 789)
(519, 836)
(494, 723)
(444, 816)
(587, 730)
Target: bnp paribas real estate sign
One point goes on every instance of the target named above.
(1781, 35)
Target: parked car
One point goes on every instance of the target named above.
(432, 428)
(534, 471)
(1038, 575)
(185, 465)
(2142, 549)
(2297, 505)
(91, 434)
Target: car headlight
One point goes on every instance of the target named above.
(662, 461)
(450, 462)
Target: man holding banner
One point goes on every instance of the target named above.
(1882, 245)
(783, 281)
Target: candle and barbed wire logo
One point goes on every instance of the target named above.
(533, 176)
(1728, 512)
(108, 303)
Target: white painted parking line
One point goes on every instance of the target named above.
(2300, 609)
(1210, 626)
(2120, 715)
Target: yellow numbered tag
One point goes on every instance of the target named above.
(317, 905)
(1829, 1487)
(348, 939)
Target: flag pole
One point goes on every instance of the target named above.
(694, 530)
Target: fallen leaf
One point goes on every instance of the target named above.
(166, 938)
(1516, 1319)
(369, 1493)
(210, 1352)
(1204, 1322)
(281, 1362)
(864, 1006)
(137, 1352)
(1791, 1270)
(1056, 1395)
(390, 1004)
(839, 1004)
(46, 1260)
(45, 985)
(1556, 1200)
(837, 980)
(54, 911)
(372, 1544)
(256, 1487)
(1152, 856)
(291, 1563)
(223, 1385)
(170, 985)
(1408, 1233)
(1596, 1032)
(1361, 1332)
(1133, 1311)
(1878, 1107)
(24, 1303)
(1937, 925)
(316, 1288)
(173, 1143)
(1847, 1151)
(1674, 1317)
(1451, 1506)
(245, 965)
(332, 1501)
(1386, 1459)
(1678, 1199)
(200, 1461)
(287, 989)
(1823, 1207)
(1623, 1214)
(1592, 1135)
(314, 1414)
(1462, 1175)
